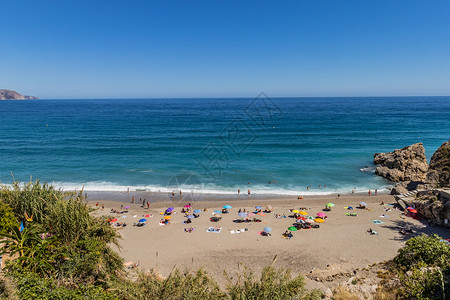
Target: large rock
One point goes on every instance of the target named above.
(13, 95)
(434, 205)
(406, 164)
(439, 172)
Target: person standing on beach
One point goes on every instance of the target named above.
(369, 193)
(132, 199)
(248, 192)
(376, 192)
(239, 192)
(148, 204)
(180, 195)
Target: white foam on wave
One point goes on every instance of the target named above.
(105, 186)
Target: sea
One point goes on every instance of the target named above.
(270, 145)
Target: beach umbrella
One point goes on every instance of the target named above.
(267, 229)
(413, 211)
(190, 216)
(242, 214)
(258, 207)
(217, 211)
(309, 221)
(269, 207)
(167, 217)
(113, 220)
(187, 205)
(170, 209)
(197, 211)
(292, 228)
(363, 203)
(301, 218)
(321, 215)
(250, 214)
(319, 220)
(303, 213)
(330, 204)
(295, 211)
(146, 216)
(227, 206)
(126, 207)
(142, 220)
(300, 221)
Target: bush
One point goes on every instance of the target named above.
(273, 284)
(423, 284)
(31, 286)
(429, 250)
(7, 218)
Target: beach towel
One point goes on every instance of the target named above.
(232, 232)
(135, 216)
(377, 222)
(213, 230)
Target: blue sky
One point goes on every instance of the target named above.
(120, 49)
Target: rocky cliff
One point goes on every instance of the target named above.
(439, 171)
(13, 95)
(433, 205)
(406, 164)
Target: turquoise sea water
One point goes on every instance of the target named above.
(217, 145)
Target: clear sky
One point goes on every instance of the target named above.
(120, 49)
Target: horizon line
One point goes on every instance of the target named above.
(239, 97)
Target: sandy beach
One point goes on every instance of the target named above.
(342, 241)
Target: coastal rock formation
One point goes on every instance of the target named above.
(404, 164)
(439, 172)
(13, 95)
(434, 205)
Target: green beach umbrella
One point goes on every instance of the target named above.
(330, 204)
(292, 228)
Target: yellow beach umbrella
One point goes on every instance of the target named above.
(303, 213)
(295, 211)
(319, 220)
(167, 217)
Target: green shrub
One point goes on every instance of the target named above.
(31, 286)
(179, 285)
(273, 284)
(423, 283)
(429, 250)
(7, 218)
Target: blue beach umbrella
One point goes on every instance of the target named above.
(197, 211)
(170, 209)
(217, 211)
(242, 214)
(227, 206)
(267, 229)
(142, 220)
(190, 216)
(258, 207)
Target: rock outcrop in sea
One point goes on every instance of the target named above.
(439, 170)
(13, 95)
(406, 164)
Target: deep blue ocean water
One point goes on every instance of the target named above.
(278, 145)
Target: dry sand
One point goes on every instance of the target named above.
(342, 241)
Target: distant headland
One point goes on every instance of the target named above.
(13, 95)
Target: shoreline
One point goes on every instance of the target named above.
(156, 197)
